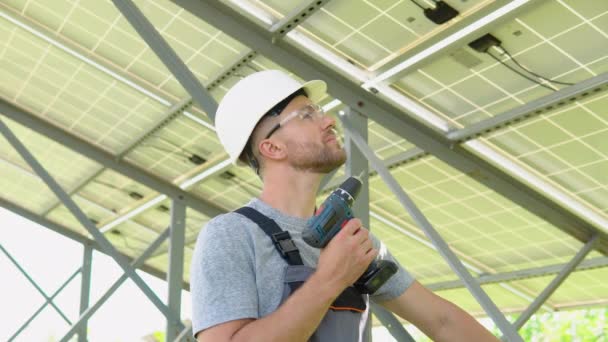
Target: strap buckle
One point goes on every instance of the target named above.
(284, 243)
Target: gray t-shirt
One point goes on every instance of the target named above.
(237, 273)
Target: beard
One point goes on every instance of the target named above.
(314, 157)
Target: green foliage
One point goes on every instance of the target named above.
(589, 325)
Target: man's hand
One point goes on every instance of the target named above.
(346, 256)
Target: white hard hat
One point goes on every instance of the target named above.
(252, 97)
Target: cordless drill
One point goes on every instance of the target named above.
(327, 221)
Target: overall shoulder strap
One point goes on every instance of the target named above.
(281, 239)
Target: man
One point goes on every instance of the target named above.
(249, 285)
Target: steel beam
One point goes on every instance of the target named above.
(80, 197)
(105, 158)
(357, 165)
(85, 289)
(96, 62)
(185, 335)
(175, 272)
(229, 71)
(72, 235)
(442, 247)
(544, 104)
(46, 302)
(536, 107)
(295, 18)
(453, 37)
(166, 54)
(391, 323)
(84, 317)
(211, 169)
(555, 283)
(169, 115)
(597, 262)
(81, 217)
(40, 290)
(396, 120)
(410, 155)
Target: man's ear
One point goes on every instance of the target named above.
(272, 149)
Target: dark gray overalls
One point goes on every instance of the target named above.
(345, 320)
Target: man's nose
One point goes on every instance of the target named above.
(328, 121)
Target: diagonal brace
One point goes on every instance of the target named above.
(556, 282)
(484, 300)
(166, 54)
(47, 302)
(103, 242)
(27, 276)
(84, 317)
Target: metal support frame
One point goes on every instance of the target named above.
(539, 106)
(71, 234)
(211, 168)
(166, 54)
(410, 155)
(442, 247)
(295, 17)
(408, 127)
(185, 335)
(48, 299)
(175, 273)
(167, 117)
(100, 64)
(40, 290)
(80, 197)
(137, 263)
(101, 156)
(457, 34)
(357, 165)
(85, 289)
(82, 218)
(555, 283)
(391, 323)
(597, 262)
(230, 71)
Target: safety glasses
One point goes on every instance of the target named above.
(308, 112)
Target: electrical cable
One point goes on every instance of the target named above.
(519, 73)
(532, 72)
(419, 5)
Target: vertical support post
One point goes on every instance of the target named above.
(93, 308)
(356, 165)
(484, 300)
(85, 288)
(175, 273)
(555, 283)
(103, 242)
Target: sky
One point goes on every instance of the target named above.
(50, 258)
